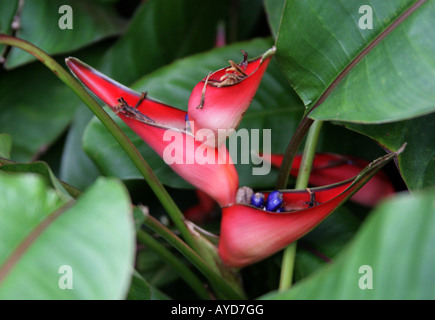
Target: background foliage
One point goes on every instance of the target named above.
(59, 149)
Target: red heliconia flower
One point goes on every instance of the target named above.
(163, 128)
(329, 168)
(250, 234)
(219, 102)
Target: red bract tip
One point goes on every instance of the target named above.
(329, 168)
(220, 100)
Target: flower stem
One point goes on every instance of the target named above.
(288, 259)
(290, 152)
(186, 274)
(129, 148)
(193, 257)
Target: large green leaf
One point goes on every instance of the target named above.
(7, 13)
(35, 109)
(5, 145)
(139, 288)
(274, 9)
(44, 240)
(44, 171)
(417, 162)
(321, 245)
(396, 243)
(394, 80)
(76, 167)
(92, 21)
(275, 107)
(161, 32)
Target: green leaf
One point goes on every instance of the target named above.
(274, 9)
(139, 288)
(76, 167)
(275, 107)
(161, 32)
(35, 109)
(417, 162)
(5, 145)
(7, 13)
(396, 242)
(43, 170)
(394, 80)
(48, 243)
(91, 22)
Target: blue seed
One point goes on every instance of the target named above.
(274, 201)
(257, 200)
(280, 209)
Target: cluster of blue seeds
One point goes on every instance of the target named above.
(274, 201)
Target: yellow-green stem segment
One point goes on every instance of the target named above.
(288, 259)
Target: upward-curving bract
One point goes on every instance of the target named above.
(163, 128)
(219, 102)
(250, 234)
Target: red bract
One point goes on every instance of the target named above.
(220, 100)
(163, 128)
(249, 234)
(329, 168)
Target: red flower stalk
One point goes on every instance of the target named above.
(329, 168)
(220, 100)
(163, 128)
(250, 234)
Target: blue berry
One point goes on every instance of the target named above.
(280, 209)
(274, 201)
(257, 200)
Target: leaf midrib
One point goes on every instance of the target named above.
(20, 250)
(365, 51)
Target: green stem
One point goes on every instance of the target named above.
(288, 259)
(308, 155)
(193, 257)
(290, 152)
(186, 274)
(135, 156)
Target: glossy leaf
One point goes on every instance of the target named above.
(76, 167)
(405, 224)
(274, 9)
(95, 21)
(5, 145)
(161, 32)
(394, 80)
(30, 100)
(139, 288)
(42, 169)
(7, 13)
(44, 238)
(417, 162)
